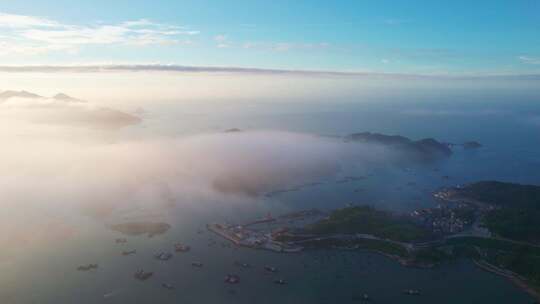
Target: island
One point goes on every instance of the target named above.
(232, 130)
(471, 145)
(427, 149)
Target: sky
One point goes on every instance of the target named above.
(406, 37)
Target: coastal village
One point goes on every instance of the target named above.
(445, 219)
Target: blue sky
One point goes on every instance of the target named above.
(416, 37)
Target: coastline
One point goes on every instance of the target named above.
(405, 254)
(401, 260)
(514, 278)
(510, 276)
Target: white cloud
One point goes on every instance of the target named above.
(29, 35)
(285, 46)
(14, 48)
(22, 21)
(451, 112)
(102, 67)
(222, 41)
(529, 60)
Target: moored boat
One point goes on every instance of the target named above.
(232, 279)
(197, 264)
(163, 256)
(411, 292)
(142, 275)
(270, 269)
(167, 286)
(181, 248)
(243, 265)
(87, 267)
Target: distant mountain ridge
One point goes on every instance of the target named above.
(63, 109)
(22, 94)
(64, 97)
(5, 95)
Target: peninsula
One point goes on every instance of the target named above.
(495, 224)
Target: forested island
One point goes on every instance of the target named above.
(368, 220)
(427, 149)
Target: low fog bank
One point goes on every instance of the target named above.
(50, 185)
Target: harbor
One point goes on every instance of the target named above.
(242, 236)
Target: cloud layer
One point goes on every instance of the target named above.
(529, 59)
(96, 68)
(58, 183)
(29, 35)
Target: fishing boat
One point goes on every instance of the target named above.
(270, 269)
(163, 256)
(243, 265)
(232, 279)
(411, 292)
(142, 275)
(197, 264)
(167, 286)
(87, 267)
(181, 248)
